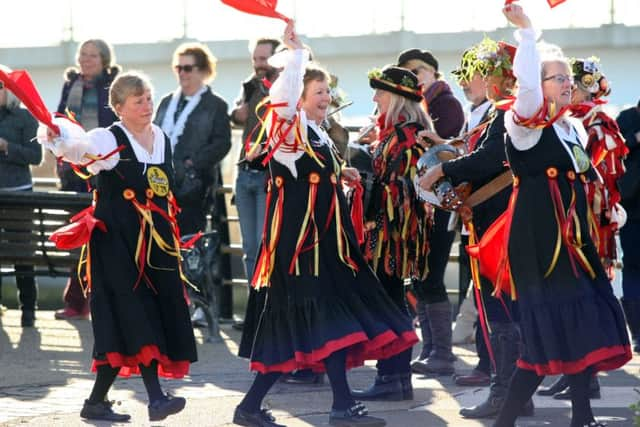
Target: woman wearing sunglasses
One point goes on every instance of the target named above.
(196, 121)
(571, 322)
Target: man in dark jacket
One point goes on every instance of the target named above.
(448, 119)
(18, 150)
(629, 123)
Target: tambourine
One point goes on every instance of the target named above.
(444, 194)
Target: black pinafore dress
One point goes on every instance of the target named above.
(136, 321)
(312, 312)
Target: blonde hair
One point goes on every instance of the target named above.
(131, 83)
(411, 111)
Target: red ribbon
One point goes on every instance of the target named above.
(19, 82)
(77, 233)
(357, 212)
(257, 7)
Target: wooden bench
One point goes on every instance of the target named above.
(27, 219)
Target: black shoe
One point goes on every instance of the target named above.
(433, 366)
(559, 385)
(356, 416)
(168, 405)
(302, 377)
(491, 407)
(28, 318)
(594, 391)
(263, 418)
(487, 409)
(102, 411)
(385, 387)
(475, 378)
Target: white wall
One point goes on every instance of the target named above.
(348, 57)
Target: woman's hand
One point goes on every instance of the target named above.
(428, 138)
(432, 176)
(515, 14)
(350, 176)
(290, 37)
(51, 135)
(367, 134)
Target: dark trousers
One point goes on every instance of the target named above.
(26, 284)
(432, 288)
(400, 363)
(464, 269)
(629, 238)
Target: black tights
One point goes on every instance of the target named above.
(106, 375)
(524, 383)
(335, 365)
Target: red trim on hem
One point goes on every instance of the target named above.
(128, 365)
(360, 347)
(602, 359)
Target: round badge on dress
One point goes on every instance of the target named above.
(582, 160)
(158, 181)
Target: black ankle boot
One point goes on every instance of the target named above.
(102, 411)
(168, 405)
(385, 387)
(28, 318)
(559, 385)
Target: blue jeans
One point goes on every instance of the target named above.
(251, 200)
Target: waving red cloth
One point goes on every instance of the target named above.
(552, 3)
(257, 7)
(79, 231)
(19, 82)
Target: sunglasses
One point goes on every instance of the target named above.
(186, 68)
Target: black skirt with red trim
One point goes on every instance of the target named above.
(309, 314)
(135, 322)
(570, 319)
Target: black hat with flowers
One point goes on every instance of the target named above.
(396, 80)
(588, 77)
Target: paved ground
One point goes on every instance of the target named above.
(44, 378)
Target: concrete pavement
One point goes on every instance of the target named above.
(45, 377)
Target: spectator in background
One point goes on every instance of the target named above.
(629, 123)
(433, 307)
(18, 150)
(196, 121)
(250, 189)
(85, 96)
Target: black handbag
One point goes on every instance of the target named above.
(190, 189)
